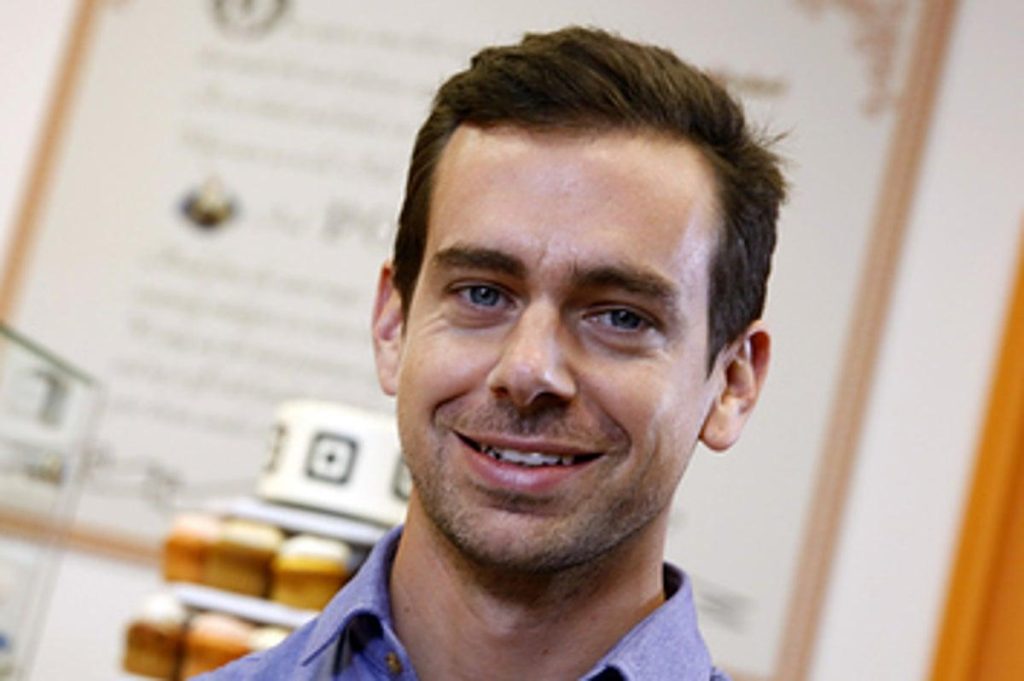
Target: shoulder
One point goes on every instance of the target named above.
(318, 643)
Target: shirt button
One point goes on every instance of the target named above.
(394, 664)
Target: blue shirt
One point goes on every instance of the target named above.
(353, 639)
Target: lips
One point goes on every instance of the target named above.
(528, 459)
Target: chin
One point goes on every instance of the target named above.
(518, 543)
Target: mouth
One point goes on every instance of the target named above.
(528, 459)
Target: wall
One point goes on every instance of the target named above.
(31, 39)
(909, 483)
(946, 321)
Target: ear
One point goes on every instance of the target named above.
(387, 330)
(742, 367)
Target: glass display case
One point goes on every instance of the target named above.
(47, 410)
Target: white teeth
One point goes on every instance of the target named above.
(527, 458)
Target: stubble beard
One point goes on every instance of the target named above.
(507, 534)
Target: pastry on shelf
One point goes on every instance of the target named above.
(187, 546)
(154, 639)
(213, 639)
(264, 638)
(308, 571)
(240, 559)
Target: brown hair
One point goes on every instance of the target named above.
(588, 79)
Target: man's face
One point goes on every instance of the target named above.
(551, 367)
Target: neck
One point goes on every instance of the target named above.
(461, 620)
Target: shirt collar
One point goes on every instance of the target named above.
(365, 594)
(666, 644)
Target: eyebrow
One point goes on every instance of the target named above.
(660, 292)
(479, 258)
(629, 279)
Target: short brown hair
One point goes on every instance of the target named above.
(588, 79)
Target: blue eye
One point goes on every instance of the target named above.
(484, 296)
(623, 319)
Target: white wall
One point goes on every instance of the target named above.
(92, 601)
(915, 464)
(32, 35)
(888, 587)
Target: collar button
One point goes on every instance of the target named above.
(393, 662)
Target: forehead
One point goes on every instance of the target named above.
(560, 199)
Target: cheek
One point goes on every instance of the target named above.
(440, 366)
(627, 397)
(659, 408)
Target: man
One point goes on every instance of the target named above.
(573, 303)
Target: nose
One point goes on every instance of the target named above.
(533, 367)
